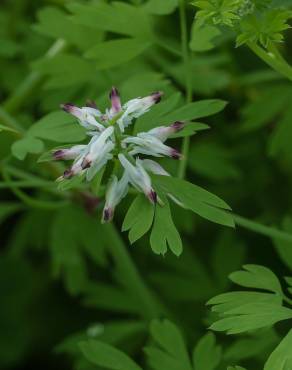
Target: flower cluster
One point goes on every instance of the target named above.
(109, 141)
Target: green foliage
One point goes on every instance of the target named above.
(258, 22)
(111, 53)
(196, 199)
(202, 38)
(106, 356)
(138, 219)
(258, 277)
(164, 233)
(264, 29)
(281, 357)
(218, 11)
(207, 354)
(56, 126)
(169, 349)
(161, 7)
(67, 245)
(194, 111)
(114, 18)
(245, 311)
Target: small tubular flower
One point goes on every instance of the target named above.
(69, 153)
(85, 115)
(116, 191)
(108, 141)
(116, 103)
(153, 167)
(145, 143)
(139, 178)
(99, 147)
(137, 107)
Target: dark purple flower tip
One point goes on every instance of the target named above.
(114, 93)
(157, 96)
(91, 104)
(175, 154)
(86, 163)
(68, 174)
(152, 196)
(108, 215)
(178, 126)
(58, 154)
(67, 107)
(115, 99)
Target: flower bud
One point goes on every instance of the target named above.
(163, 132)
(70, 153)
(116, 191)
(116, 102)
(153, 167)
(137, 107)
(86, 115)
(147, 144)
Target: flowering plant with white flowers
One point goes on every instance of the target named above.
(109, 141)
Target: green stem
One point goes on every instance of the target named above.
(29, 201)
(151, 308)
(32, 82)
(268, 231)
(273, 59)
(188, 82)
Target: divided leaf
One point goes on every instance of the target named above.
(250, 317)
(164, 233)
(197, 199)
(112, 53)
(139, 218)
(206, 354)
(107, 356)
(259, 277)
(28, 144)
(56, 23)
(59, 127)
(202, 38)
(118, 17)
(245, 311)
(171, 353)
(281, 357)
(192, 111)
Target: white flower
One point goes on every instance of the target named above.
(85, 115)
(98, 147)
(70, 153)
(138, 177)
(116, 191)
(145, 143)
(156, 169)
(108, 142)
(137, 107)
(164, 132)
(153, 167)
